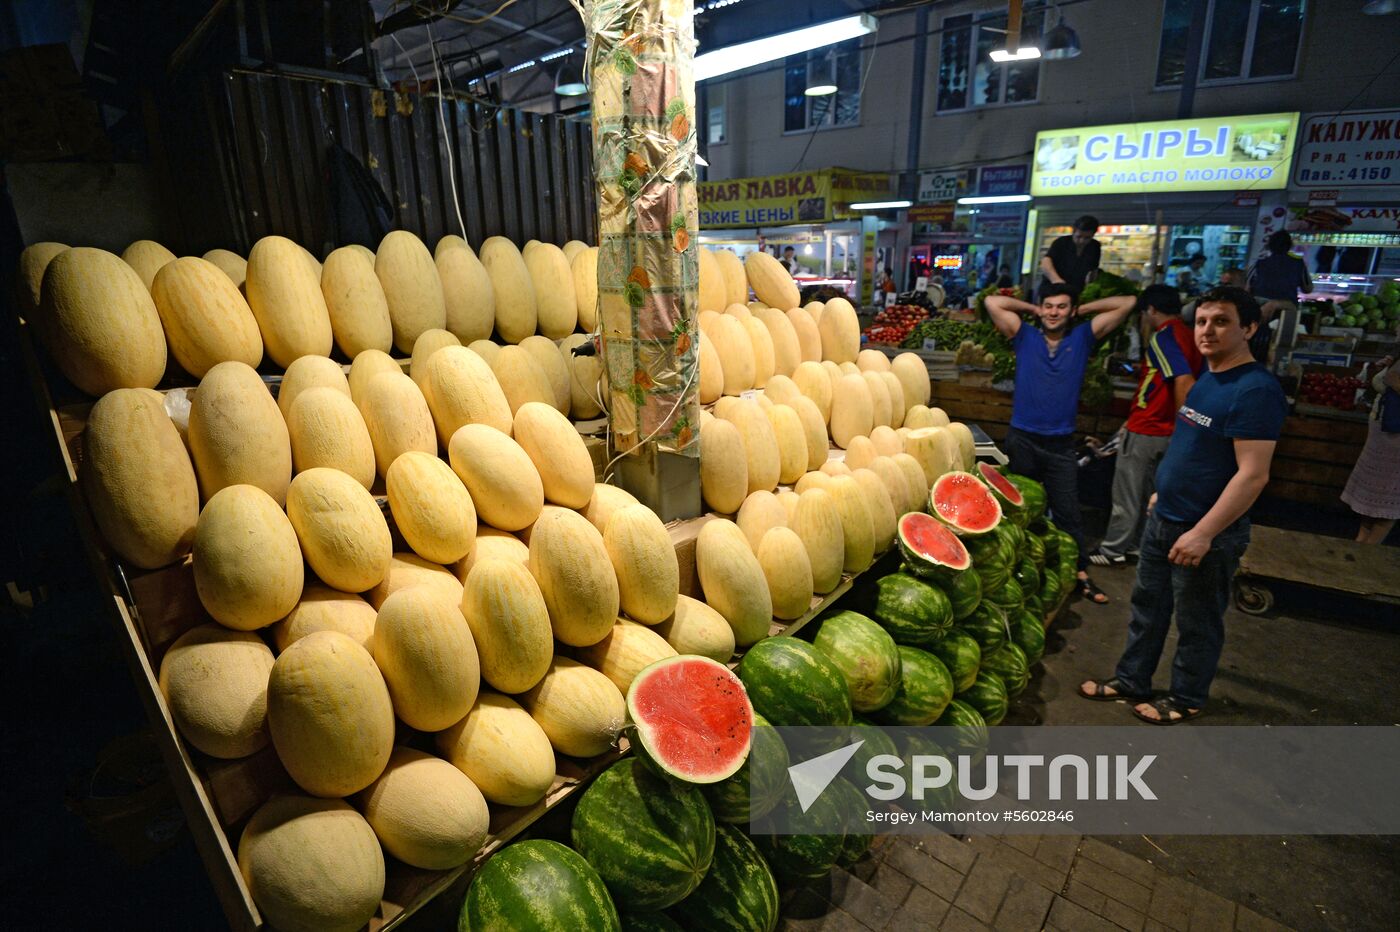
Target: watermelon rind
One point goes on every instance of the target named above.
(866, 656)
(1008, 595)
(790, 682)
(875, 741)
(1027, 574)
(979, 515)
(941, 799)
(1032, 494)
(1010, 664)
(537, 885)
(921, 556)
(758, 786)
(1008, 496)
(967, 732)
(852, 804)
(739, 892)
(924, 693)
(964, 591)
(911, 610)
(808, 856)
(706, 737)
(962, 655)
(987, 625)
(650, 839)
(987, 695)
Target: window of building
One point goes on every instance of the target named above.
(967, 76)
(715, 122)
(1245, 40)
(801, 112)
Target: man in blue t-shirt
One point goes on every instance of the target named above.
(1050, 364)
(1198, 526)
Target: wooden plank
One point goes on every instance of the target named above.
(1316, 428)
(1327, 563)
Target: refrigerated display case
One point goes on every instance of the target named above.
(1128, 249)
(1223, 246)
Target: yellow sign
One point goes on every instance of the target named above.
(1222, 154)
(779, 200)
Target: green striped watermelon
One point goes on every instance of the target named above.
(969, 729)
(987, 625)
(1028, 631)
(1009, 596)
(649, 838)
(739, 893)
(875, 742)
(1032, 493)
(941, 799)
(1050, 588)
(993, 577)
(537, 886)
(1027, 574)
(759, 784)
(911, 610)
(866, 656)
(924, 693)
(790, 682)
(1009, 663)
(987, 696)
(964, 591)
(852, 804)
(649, 922)
(1035, 607)
(798, 858)
(1035, 549)
(962, 655)
(1051, 539)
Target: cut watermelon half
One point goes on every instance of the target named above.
(964, 503)
(1007, 494)
(930, 549)
(692, 718)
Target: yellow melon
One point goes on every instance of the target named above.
(33, 262)
(644, 559)
(573, 247)
(815, 479)
(792, 443)
(426, 812)
(809, 338)
(696, 628)
(712, 283)
(840, 331)
(147, 258)
(763, 357)
(502, 749)
(230, 263)
(895, 390)
(736, 353)
(743, 312)
(247, 562)
(492, 544)
(781, 390)
(236, 434)
(498, 473)
(570, 563)
(342, 532)
(787, 351)
(398, 419)
(902, 498)
(711, 371)
(306, 373)
(584, 267)
(425, 650)
(205, 318)
(510, 624)
(724, 471)
(860, 452)
(936, 449)
(813, 431)
(606, 500)
(355, 301)
(330, 715)
(325, 609)
(460, 388)
(817, 523)
(887, 442)
(556, 303)
(487, 350)
(409, 569)
(733, 580)
(312, 865)
(431, 507)
(583, 373)
(550, 359)
(468, 296)
(857, 527)
(813, 382)
(760, 512)
(912, 373)
(285, 295)
(428, 343)
(627, 650)
(788, 572)
(138, 480)
(327, 430)
(836, 468)
(879, 398)
(516, 310)
(872, 360)
(99, 322)
(366, 365)
(770, 281)
(760, 443)
(915, 476)
(736, 283)
(215, 682)
(852, 411)
(578, 707)
(882, 509)
(521, 378)
(411, 287)
(558, 453)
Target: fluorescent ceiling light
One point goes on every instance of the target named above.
(522, 66)
(771, 48)
(995, 199)
(882, 205)
(1024, 53)
(820, 90)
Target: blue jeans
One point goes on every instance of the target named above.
(1199, 596)
(1052, 461)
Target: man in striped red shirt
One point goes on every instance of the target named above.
(1171, 364)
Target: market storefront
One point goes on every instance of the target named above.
(968, 228)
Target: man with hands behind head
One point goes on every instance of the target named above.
(1050, 363)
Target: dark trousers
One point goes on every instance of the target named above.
(1198, 595)
(1051, 460)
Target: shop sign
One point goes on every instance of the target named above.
(1246, 199)
(1002, 221)
(1220, 154)
(799, 197)
(1001, 180)
(941, 215)
(867, 280)
(1316, 218)
(942, 186)
(1358, 147)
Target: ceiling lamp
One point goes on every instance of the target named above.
(1380, 7)
(760, 51)
(821, 80)
(1061, 42)
(882, 205)
(1014, 50)
(569, 81)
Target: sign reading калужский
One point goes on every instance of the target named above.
(1219, 154)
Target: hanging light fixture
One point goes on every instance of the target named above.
(1380, 7)
(569, 81)
(821, 80)
(1014, 50)
(1062, 41)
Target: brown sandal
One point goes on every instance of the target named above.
(1119, 692)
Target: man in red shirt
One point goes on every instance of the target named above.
(1170, 366)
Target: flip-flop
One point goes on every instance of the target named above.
(1088, 590)
(1165, 706)
(1112, 683)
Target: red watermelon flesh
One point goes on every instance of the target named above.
(1002, 486)
(961, 501)
(928, 544)
(693, 718)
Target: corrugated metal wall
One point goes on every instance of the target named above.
(247, 157)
